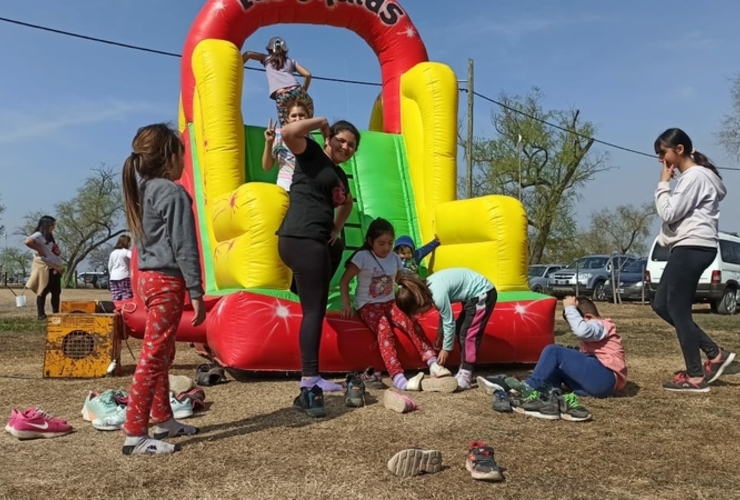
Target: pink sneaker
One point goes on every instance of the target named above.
(35, 423)
(398, 402)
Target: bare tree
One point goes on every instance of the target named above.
(729, 135)
(90, 219)
(15, 261)
(542, 165)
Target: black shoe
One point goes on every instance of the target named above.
(42, 317)
(354, 396)
(311, 402)
(501, 401)
(373, 379)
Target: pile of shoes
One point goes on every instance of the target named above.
(35, 423)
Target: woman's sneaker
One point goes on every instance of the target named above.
(713, 370)
(35, 423)
(538, 405)
(398, 402)
(481, 463)
(572, 410)
(104, 411)
(681, 383)
(354, 396)
(311, 402)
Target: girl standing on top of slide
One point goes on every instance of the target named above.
(280, 71)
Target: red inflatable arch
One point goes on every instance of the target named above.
(383, 24)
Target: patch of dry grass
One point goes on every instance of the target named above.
(646, 444)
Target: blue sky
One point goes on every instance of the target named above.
(634, 68)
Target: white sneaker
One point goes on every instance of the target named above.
(414, 383)
(439, 371)
(462, 383)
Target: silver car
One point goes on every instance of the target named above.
(539, 275)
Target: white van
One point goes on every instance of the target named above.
(719, 283)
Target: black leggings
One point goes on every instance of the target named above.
(336, 251)
(54, 287)
(311, 264)
(674, 299)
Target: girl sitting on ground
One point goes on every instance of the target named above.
(377, 269)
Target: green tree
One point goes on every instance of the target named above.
(623, 229)
(15, 261)
(90, 219)
(729, 134)
(543, 166)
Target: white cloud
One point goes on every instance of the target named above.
(17, 126)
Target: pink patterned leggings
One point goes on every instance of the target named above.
(381, 319)
(150, 391)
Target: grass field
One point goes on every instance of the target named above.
(645, 444)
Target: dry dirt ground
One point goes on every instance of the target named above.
(645, 444)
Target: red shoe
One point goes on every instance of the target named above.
(481, 463)
(35, 423)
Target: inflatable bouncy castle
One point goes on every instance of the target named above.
(405, 171)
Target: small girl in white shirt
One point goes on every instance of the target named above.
(119, 270)
(377, 269)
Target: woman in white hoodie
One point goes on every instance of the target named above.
(690, 229)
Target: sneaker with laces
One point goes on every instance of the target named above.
(481, 463)
(501, 401)
(713, 370)
(311, 402)
(35, 423)
(571, 409)
(104, 411)
(354, 396)
(681, 383)
(415, 461)
(536, 404)
(438, 371)
(181, 408)
(398, 402)
(373, 379)
(492, 383)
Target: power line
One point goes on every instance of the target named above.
(326, 79)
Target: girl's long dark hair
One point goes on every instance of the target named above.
(44, 227)
(277, 58)
(375, 230)
(672, 137)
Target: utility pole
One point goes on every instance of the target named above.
(469, 142)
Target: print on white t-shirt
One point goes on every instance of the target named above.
(376, 277)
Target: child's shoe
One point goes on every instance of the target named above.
(415, 461)
(681, 383)
(444, 384)
(398, 402)
(354, 396)
(501, 401)
(536, 404)
(463, 383)
(571, 409)
(481, 463)
(438, 371)
(311, 402)
(415, 383)
(373, 379)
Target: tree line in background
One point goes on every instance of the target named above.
(546, 167)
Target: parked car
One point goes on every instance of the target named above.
(539, 276)
(587, 275)
(96, 279)
(631, 281)
(718, 284)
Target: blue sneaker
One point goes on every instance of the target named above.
(104, 411)
(354, 396)
(311, 402)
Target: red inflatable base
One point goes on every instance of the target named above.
(253, 332)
